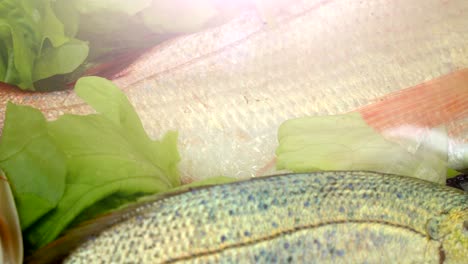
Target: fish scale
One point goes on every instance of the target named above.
(226, 90)
(326, 217)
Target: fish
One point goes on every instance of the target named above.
(227, 89)
(320, 217)
(11, 242)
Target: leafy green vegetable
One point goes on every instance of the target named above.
(40, 39)
(34, 165)
(118, 201)
(116, 26)
(110, 203)
(205, 182)
(452, 173)
(108, 100)
(99, 156)
(63, 59)
(346, 142)
(67, 14)
(34, 44)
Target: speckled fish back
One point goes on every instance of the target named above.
(327, 217)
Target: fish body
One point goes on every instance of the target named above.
(322, 217)
(227, 89)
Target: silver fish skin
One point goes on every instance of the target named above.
(322, 217)
(227, 89)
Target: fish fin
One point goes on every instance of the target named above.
(430, 104)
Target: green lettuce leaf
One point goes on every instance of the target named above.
(63, 59)
(107, 153)
(346, 142)
(32, 162)
(117, 26)
(451, 173)
(119, 200)
(31, 36)
(205, 182)
(61, 168)
(40, 39)
(112, 202)
(66, 13)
